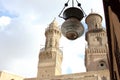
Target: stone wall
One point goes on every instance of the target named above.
(91, 75)
(9, 76)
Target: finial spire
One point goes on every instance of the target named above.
(54, 23)
(91, 10)
(54, 19)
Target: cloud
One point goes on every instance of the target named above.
(4, 21)
(20, 41)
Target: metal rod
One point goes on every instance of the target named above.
(77, 1)
(61, 12)
(68, 1)
(83, 11)
(66, 4)
(72, 3)
(81, 8)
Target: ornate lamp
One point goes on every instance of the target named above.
(72, 28)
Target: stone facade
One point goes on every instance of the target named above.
(91, 75)
(8, 76)
(50, 57)
(30, 79)
(96, 57)
(96, 54)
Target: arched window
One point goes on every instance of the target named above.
(99, 39)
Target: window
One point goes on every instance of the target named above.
(102, 65)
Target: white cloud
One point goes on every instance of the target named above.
(4, 21)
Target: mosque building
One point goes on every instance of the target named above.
(51, 56)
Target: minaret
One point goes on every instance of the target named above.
(96, 53)
(50, 57)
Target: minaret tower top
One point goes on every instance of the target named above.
(53, 34)
(53, 24)
(94, 21)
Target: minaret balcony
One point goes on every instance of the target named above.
(53, 49)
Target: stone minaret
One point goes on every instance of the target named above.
(96, 52)
(50, 57)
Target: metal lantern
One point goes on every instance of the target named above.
(72, 28)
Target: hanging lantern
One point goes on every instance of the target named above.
(72, 28)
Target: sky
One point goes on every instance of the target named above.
(22, 27)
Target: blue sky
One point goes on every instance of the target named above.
(22, 26)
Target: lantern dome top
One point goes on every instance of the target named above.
(73, 12)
